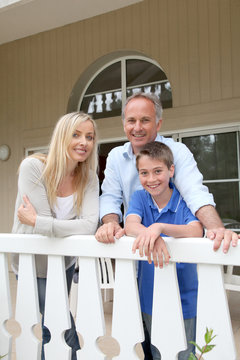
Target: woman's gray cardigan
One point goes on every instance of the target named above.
(31, 184)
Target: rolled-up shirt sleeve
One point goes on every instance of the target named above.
(112, 195)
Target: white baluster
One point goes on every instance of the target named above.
(213, 312)
(27, 309)
(6, 308)
(168, 333)
(57, 315)
(90, 317)
(127, 321)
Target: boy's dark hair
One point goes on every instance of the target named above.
(156, 150)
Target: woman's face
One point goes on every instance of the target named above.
(82, 142)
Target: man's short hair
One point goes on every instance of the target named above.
(149, 96)
(158, 151)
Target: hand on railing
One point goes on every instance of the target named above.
(149, 243)
(226, 236)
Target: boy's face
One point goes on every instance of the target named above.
(154, 176)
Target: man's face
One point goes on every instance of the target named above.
(140, 123)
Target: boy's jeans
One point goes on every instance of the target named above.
(71, 337)
(152, 353)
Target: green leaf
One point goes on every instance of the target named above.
(208, 348)
(208, 335)
(195, 344)
(192, 357)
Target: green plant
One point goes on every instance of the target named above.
(2, 356)
(206, 348)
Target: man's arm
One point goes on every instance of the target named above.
(215, 228)
(110, 229)
(188, 181)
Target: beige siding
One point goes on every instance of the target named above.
(196, 42)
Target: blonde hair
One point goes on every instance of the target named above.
(56, 160)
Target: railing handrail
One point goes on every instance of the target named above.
(192, 250)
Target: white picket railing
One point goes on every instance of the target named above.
(167, 327)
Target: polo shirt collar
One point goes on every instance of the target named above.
(173, 202)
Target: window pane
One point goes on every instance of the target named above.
(141, 72)
(108, 79)
(103, 105)
(216, 155)
(226, 196)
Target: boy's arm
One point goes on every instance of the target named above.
(193, 229)
(144, 236)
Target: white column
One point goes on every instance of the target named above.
(6, 308)
(213, 312)
(27, 309)
(127, 321)
(90, 317)
(168, 333)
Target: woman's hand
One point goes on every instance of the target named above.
(26, 213)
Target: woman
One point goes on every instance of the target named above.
(56, 188)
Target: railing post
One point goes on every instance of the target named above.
(90, 317)
(57, 314)
(27, 309)
(213, 312)
(127, 321)
(168, 332)
(6, 308)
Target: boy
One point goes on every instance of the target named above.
(159, 210)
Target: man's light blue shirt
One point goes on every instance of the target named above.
(121, 178)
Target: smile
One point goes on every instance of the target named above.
(80, 151)
(153, 186)
(138, 135)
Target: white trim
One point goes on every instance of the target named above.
(122, 60)
(36, 149)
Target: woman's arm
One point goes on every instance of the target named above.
(31, 185)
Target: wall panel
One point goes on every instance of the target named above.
(196, 42)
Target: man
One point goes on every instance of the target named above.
(142, 119)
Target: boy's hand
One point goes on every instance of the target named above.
(151, 244)
(159, 250)
(146, 239)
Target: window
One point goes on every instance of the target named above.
(108, 89)
(217, 156)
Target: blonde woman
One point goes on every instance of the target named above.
(56, 188)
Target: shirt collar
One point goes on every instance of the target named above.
(127, 151)
(127, 148)
(173, 202)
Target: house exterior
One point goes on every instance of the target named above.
(194, 42)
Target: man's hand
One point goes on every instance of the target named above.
(26, 213)
(108, 232)
(215, 229)
(226, 236)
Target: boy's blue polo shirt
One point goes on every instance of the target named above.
(176, 212)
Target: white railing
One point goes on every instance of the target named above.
(167, 327)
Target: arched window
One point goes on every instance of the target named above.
(107, 89)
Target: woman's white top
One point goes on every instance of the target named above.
(63, 206)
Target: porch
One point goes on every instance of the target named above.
(212, 303)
